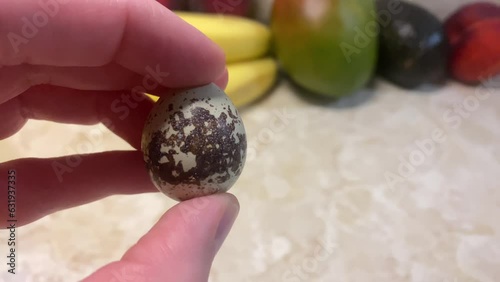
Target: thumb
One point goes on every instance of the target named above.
(180, 247)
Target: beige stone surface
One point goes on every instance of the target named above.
(316, 204)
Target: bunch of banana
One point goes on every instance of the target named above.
(246, 43)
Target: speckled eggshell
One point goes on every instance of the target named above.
(194, 143)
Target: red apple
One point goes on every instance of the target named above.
(242, 8)
(476, 54)
(468, 15)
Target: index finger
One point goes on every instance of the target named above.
(141, 35)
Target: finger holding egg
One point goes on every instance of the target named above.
(194, 143)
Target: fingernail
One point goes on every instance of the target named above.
(225, 224)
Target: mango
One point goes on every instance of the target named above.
(328, 47)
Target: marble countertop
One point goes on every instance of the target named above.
(387, 185)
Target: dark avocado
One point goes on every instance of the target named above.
(413, 49)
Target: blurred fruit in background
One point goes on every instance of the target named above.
(334, 47)
(246, 43)
(328, 47)
(468, 15)
(473, 32)
(251, 80)
(243, 8)
(413, 46)
(241, 38)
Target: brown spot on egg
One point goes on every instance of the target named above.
(208, 131)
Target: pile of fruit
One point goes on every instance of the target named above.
(333, 48)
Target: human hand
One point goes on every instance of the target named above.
(180, 247)
(78, 64)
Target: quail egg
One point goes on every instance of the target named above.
(194, 143)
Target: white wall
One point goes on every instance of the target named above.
(444, 8)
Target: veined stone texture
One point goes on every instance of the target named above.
(387, 185)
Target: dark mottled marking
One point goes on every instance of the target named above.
(170, 107)
(153, 148)
(233, 116)
(208, 132)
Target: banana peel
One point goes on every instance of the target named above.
(248, 81)
(240, 38)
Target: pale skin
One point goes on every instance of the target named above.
(85, 57)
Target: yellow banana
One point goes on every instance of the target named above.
(249, 81)
(240, 38)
